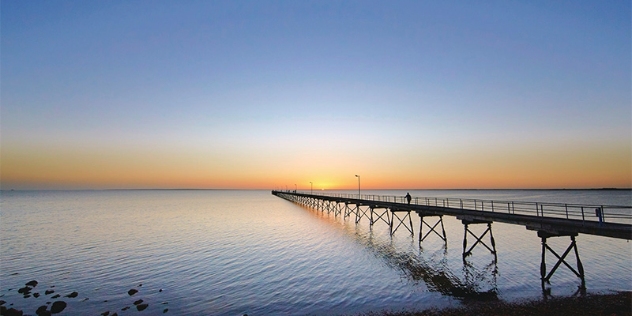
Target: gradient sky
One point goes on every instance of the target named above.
(268, 94)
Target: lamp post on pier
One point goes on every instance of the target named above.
(311, 188)
(295, 188)
(358, 186)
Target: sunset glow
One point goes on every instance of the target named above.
(264, 95)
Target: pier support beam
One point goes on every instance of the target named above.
(546, 277)
(340, 207)
(348, 210)
(432, 228)
(360, 213)
(479, 239)
(384, 215)
(402, 221)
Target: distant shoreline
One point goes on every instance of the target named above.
(326, 190)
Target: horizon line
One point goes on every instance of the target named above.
(368, 189)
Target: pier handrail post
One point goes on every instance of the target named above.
(566, 208)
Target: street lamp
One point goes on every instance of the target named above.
(295, 188)
(358, 185)
(311, 188)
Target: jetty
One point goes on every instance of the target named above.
(547, 219)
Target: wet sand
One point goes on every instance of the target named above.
(619, 304)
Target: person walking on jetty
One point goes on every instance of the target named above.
(408, 197)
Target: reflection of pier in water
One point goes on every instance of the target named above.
(435, 274)
(547, 219)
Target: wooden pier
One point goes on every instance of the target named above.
(547, 219)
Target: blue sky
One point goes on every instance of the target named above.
(265, 93)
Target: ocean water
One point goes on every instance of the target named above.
(229, 252)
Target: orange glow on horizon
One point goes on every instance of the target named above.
(98, 168)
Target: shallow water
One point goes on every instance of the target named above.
(233, 252)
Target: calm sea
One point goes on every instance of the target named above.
(229, 252)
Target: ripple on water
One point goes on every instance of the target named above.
(235, 252)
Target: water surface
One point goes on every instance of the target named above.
(233, 252)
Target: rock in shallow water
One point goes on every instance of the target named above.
(31, 283)
(58, 307)
(42, 311)
(141, 307)
(25, 290)
(10, 311)
(73, 295)
(132, 292)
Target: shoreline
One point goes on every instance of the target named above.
(607, 304)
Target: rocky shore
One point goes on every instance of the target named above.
(616, 304)
(55, 303)
(606, 304)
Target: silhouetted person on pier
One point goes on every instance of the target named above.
(408, 197)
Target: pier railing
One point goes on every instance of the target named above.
(584, 212)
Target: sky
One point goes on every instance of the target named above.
(300, 94)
